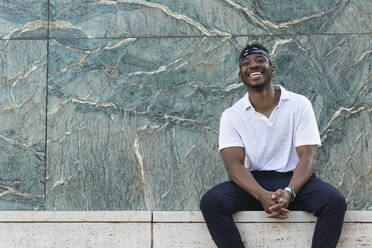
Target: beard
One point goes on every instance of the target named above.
(258, 88)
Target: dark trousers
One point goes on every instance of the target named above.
(316, 196)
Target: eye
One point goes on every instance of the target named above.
(261, 60)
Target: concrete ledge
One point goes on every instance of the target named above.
(72, 229)
(161, 229)
(241, 217)
(256, 217)
(186, 229)
(76, 216)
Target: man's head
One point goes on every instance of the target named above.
(256, 68)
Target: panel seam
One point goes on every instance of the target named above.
(46, 109)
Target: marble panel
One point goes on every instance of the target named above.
(23, 19)
(133, 123)
(355, 17)
(119, 114)
(22, 124)
(133, 18)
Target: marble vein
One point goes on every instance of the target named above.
(233, 86)
(29, 26)
(86, 101)
(66, 134)
(139, 157)
(353, 186)
(181, 65)
(160, 69)
(266, 23)
(178, 120)
(254, 17)
(359, 178)
(28, 146)
(188, 153)
(278, 43)
(9, 6)
(365, 87)
(88, 53)
(23, 75)
(60, 182)
(349, 159)
(336, 115)
(15, 106)
(140, 163)
(175, 146)
(170, 13)
(64, 25)
(369, 170)
(136, 149)
(58, 108)
(349, 111)
(11, 191)
(15, 142)
(364, 56)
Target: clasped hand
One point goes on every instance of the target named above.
(276, 203)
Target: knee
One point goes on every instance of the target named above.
(208, 201)
(337, 201)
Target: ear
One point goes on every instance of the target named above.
(273, 69)
(240, 76)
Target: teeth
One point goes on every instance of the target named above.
(255, 73)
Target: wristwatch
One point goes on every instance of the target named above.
(290, 190)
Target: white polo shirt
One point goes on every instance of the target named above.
(270, 143)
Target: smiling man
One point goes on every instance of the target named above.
(276, 131)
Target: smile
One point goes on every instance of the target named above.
(255, 74)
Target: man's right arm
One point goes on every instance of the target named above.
(233, 158)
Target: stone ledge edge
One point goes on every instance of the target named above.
(160, 217)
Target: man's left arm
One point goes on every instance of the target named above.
(306, 141)
(304, 169)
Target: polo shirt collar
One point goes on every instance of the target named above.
(283, 96)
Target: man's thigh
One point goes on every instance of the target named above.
(232, 198)
(315, 194)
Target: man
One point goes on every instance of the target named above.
(276, 130)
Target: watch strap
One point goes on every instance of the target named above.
(290, 190)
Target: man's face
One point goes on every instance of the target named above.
(256, 71)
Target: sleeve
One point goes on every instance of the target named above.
(229, 136)
(306, 132)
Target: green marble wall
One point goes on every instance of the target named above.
(115, 105)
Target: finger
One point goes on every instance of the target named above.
(277, 215)
(278, 193)
(273, 214)
(274, 195)
(281, 191)
(275, 207)
(284, 210)
(282, 216)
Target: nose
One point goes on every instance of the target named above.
(253, 65)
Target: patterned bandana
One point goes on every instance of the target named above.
(254, 50)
